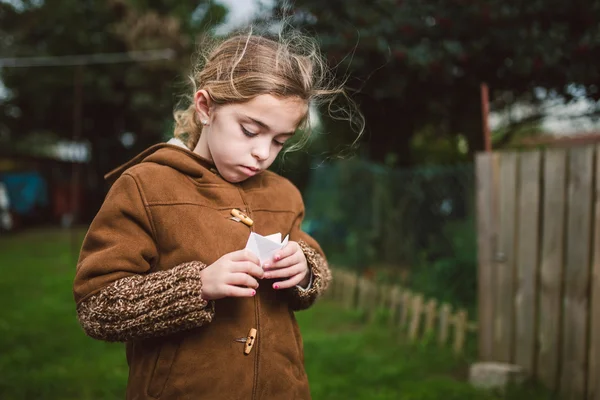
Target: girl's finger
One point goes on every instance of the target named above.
(289, 249)
(241, 279)
(283, 263)
(244, 255)
(236, 291)
(288, 283)
(247, 267)
(284, 272)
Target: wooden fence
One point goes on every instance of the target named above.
(408, 312)
(539, 264)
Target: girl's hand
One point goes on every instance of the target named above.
(290, 263)
(232, 275)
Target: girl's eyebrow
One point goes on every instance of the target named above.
(265, 126)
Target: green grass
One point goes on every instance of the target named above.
(45, 354)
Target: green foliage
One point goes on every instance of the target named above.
(416, 64)
(363, 214)
(447, 270)
(414, 227)
(133, 97)
(430, 147)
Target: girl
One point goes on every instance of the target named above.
(163, 266)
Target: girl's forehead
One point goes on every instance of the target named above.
(280, 114)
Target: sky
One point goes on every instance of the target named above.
(240, 11)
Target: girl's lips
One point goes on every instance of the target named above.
(250, 171)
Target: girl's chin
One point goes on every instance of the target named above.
(234, 177)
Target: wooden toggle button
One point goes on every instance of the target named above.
(242, 217)
(250, 341)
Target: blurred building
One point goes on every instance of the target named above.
(48, 186)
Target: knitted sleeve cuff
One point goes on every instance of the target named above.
(301, 299)
(143, 306)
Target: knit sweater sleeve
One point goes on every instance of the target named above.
(119, 294)
(301, 299)
(152, 305)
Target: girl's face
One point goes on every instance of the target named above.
(244, 139)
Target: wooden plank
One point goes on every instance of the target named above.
(430, 314)
(444, 323)
(486, 236)
(341, 295)
(460, 330)
(330, 293)
(373, 293)
(363, 294)
(577, 272)
(505, 260)
(351, 289)
(416, 313)
(395, 294)
(338, 286)
(551, 266)
(594, 361)
(526, 258)
(404, 311)
(343, 288)
(346, 289)
(383, 297)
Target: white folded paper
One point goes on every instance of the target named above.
(265, 246)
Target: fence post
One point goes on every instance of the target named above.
(527, 250)
(594, 351)
(404, 311)
(444, 322)
(577, 269)
(486, 192)
(551, 266)
(393, 304)
(431, 313)
(460, 328)
(417, 311)
(351, 286)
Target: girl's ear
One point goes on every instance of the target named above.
(202, 103)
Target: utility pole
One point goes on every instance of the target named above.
(485, 110)
(75, 167)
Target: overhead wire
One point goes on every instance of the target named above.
(87, 59)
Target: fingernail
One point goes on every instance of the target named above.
(266, 265)
(276, 286)
(253, 292)
(277, 257)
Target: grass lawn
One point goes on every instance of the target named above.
(45, 355)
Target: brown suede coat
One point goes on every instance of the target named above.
(165, 218)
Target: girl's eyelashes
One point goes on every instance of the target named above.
(251, 134)
(247, 132)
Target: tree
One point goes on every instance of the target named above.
(135, 97)
(120, 97)
(418, 65)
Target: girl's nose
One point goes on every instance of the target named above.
(260, 152)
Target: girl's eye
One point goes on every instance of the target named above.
(278, 143)
(247, 132)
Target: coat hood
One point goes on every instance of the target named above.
(168, 154)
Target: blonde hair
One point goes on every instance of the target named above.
(244, 66)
